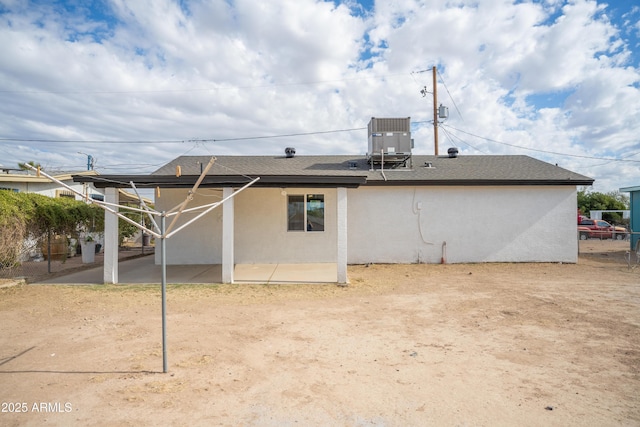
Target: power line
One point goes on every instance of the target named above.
(102, 141)
(213, 140)
(546, 151)
(211, 89)
(179, 141)
(449, 93)
(451, 136)
(280, 136)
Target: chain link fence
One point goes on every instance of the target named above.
(619, 252)
(38, 257)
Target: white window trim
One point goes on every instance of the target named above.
(304, 212)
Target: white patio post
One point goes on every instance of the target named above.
(341, 260)
(110, 274)
(227, 236)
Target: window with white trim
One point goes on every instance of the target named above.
(305, 212)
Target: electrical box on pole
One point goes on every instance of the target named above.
(443, 112)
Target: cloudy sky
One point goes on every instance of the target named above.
(135, 84)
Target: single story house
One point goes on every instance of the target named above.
(28, 182)
(388, 206)
(634, 222)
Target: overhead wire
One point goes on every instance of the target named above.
(610, 161)
(214, 140)
(211, 89)
(196, 140)
(449, 93)
(452, 136)
(445, 127)
(95, 141)
(542, 151)
(282, 135)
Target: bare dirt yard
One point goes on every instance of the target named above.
(402, 345)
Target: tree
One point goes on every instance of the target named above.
(24, 167)
(126, 229)
(595, 201)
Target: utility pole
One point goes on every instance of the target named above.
(441, 112)
(90, 160)
(435, 112)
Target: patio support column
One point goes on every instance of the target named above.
(110, 274)
(341, 260)
(227, 236)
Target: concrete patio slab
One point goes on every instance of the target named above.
(144, 270)
(253, 273)
(286, 273)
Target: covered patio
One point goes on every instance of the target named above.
(234, 245)
(143, 270)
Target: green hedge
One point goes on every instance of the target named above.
(39, 214)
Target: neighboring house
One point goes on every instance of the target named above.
(28, 182)
(386, 207)
(597, 214)
(634, 223)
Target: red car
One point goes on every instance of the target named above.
(599, 229)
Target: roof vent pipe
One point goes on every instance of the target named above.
(453, 152)
(290, 152)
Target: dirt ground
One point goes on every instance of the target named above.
(402, 345)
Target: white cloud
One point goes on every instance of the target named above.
(189, 70)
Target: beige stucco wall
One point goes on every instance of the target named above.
(261, 229)
(199, 243)
(389, 225)
(261, 235)
(478, 224)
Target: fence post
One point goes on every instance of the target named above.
(49, 251)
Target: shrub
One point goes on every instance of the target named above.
(25, 215)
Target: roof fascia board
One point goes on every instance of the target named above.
(629, 189)
(16, 177)
(474, 182)
(312, 181)
(23, 178)
(185, 181)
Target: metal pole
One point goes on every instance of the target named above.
(191, 193)
(435, 112)
(211, 207)
(103, 205)
(49, 251)
(163, 255)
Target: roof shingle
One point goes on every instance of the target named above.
(467, 170)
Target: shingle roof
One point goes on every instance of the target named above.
(468, 170)
(349, 171)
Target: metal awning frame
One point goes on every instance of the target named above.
(175, 212)
(161, 232)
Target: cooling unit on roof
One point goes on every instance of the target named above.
(390, 140)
